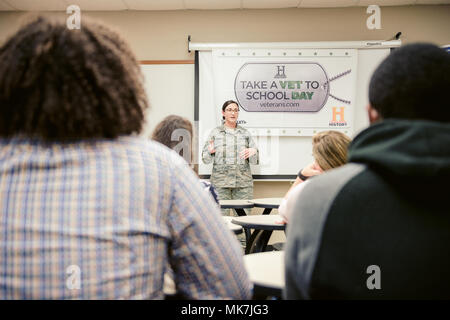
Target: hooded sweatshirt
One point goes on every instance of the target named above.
(378, 227)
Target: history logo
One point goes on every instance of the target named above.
(338, 117)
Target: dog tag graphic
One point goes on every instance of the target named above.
(282, 86)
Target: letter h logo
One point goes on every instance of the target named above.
(339, 113)
(280, 72)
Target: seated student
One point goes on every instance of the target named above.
(329, 151)
(379, 226)
(169, 131)
(88, 209)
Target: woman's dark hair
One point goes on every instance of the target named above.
(412, 83)
(227, 103)
(164, 130)
(164, 133)
(58, 84)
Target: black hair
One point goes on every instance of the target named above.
(227, 103)
(413, 83)
(58, 84)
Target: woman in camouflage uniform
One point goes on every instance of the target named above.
(231, 149)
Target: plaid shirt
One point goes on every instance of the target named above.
(102, 220)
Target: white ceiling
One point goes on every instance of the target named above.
(111, 5)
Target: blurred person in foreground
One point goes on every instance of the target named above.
(87, 209)
(379, 226)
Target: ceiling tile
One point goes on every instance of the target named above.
(5, 7)
(212, 4)
(154, 4)
(263, 4)
(432, 2)
(41, 5)
(327, 3)
(366, 3)
(109, 5)
(99, 5)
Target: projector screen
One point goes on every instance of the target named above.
(285, 96)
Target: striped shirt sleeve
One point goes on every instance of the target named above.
(206, 257)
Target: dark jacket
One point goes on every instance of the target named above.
(389, 208)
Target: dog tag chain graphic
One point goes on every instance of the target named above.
(337, 77)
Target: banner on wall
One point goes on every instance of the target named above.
(276, 86)
(298, 89)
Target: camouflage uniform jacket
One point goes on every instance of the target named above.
(229, 171)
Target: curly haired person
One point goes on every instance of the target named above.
(89, 210)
